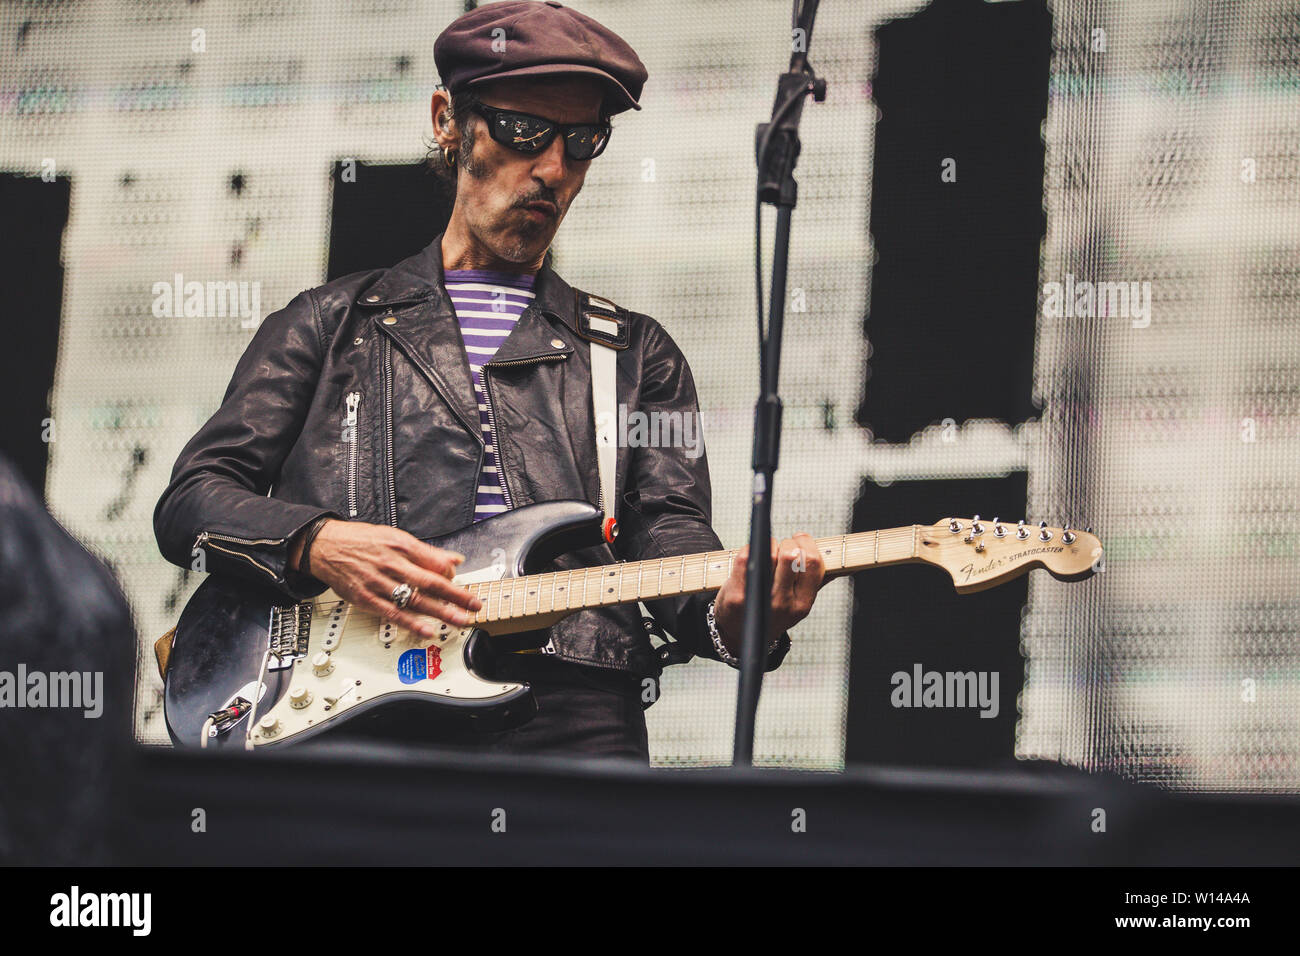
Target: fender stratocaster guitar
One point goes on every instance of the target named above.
(248, 669)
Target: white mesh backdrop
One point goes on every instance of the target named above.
(1172, 159)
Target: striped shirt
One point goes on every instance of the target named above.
(487, 306)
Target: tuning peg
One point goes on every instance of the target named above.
(1043, 533)
(977, 528)
(954, 526)
(979, 546)
(1021, 531)
(998, 530)
(1088, 529)
(1067, 535)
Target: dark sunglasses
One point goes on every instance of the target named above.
(532, 134)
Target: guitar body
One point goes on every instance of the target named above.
(331, 662)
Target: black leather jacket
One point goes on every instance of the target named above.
(277, 454)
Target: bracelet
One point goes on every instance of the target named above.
(304, 566)
(725, 655)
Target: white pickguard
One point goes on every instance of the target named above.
(363, 661)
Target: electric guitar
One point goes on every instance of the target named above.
(248, 669)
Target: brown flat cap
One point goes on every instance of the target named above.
(523, 38)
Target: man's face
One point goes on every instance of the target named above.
(512, 203)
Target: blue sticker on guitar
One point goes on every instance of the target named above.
(413, 666)
(420, 664)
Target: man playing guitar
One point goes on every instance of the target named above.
(396, 405)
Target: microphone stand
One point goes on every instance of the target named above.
(776, 151)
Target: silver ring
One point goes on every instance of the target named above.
(402, 595)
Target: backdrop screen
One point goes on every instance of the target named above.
(1044, 258)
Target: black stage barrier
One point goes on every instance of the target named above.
(386, 804)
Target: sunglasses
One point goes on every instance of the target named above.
(532, 134)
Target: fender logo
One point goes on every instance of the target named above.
(973, 571)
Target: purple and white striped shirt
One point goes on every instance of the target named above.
(487, 304)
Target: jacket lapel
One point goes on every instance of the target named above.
(533, 336)
(409, 303)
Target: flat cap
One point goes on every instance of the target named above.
(524, 38)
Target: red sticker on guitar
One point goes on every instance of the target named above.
(423, 663)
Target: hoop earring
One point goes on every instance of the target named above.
(449, 157)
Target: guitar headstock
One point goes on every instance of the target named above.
(982, 554)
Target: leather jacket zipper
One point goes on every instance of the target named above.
(205, 539)
(388, 431)
(496, 435)
(350, 430)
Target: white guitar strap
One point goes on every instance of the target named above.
(604, 404)
(605, 327)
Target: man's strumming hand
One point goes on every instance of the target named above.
(364, 562)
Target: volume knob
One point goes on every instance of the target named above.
(269, 725)
(299, 697)
(322, 665)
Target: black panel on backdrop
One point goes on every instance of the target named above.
(382, 214)
(962, 89)
(907, 619)
(34, 213)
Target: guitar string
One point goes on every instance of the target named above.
(851, 544)
(689, 566)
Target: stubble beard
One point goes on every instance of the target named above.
(522, 238)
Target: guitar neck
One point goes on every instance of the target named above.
(628, 581)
